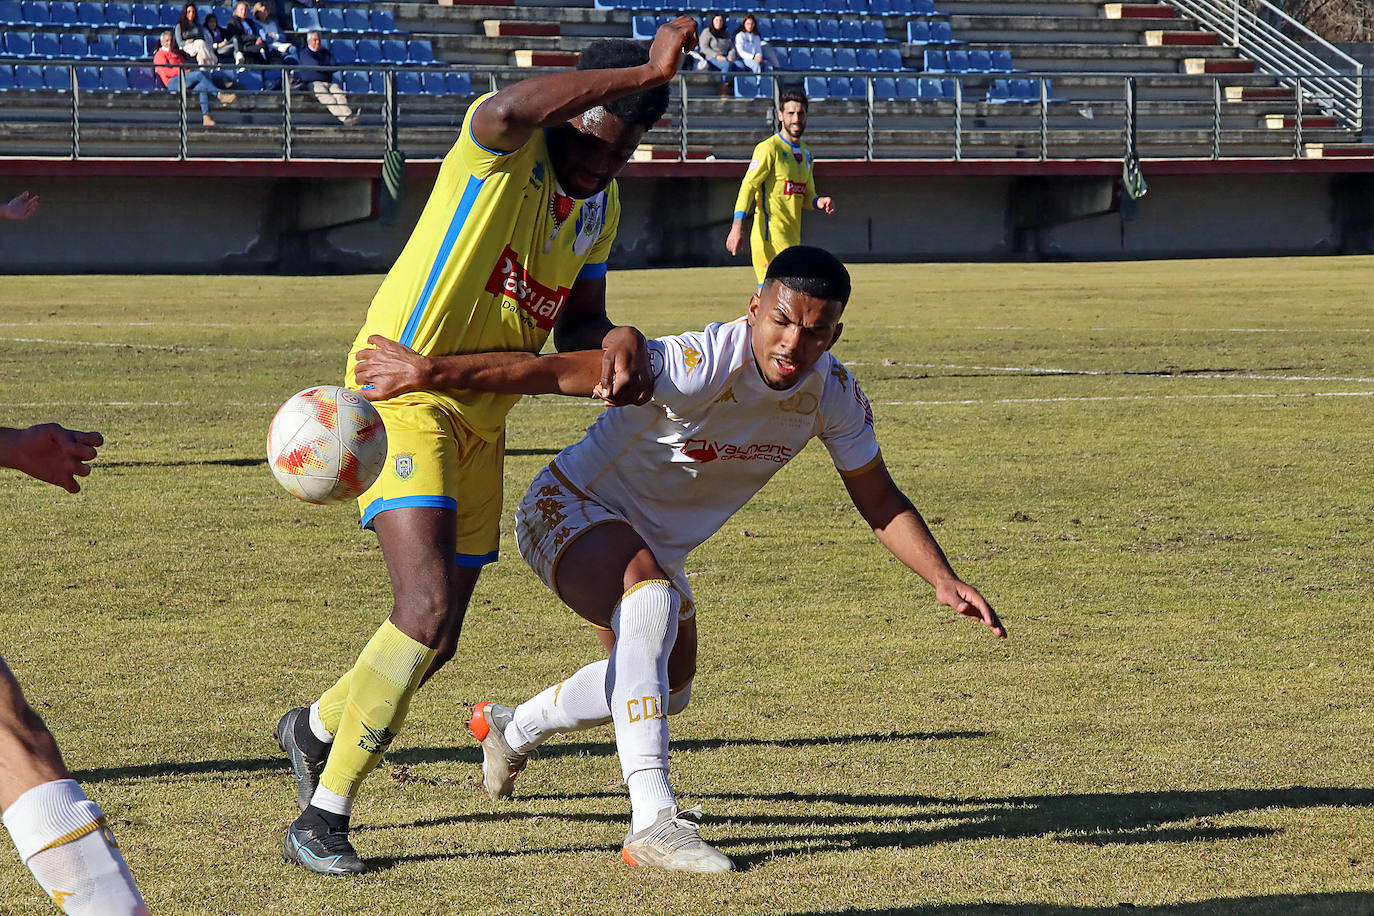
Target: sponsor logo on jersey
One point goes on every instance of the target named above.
(792, 188)
(863, 402)
(655, 362)
(840, 374)
(710, 450)
(691, 358)
(727, 397)
(803, 402)
(590, 219)
(539, 303)
(405, 466)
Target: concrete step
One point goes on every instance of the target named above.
(660, 152)
(1138, 11)
(1059, 29)
(496, 28)
(1082, 9)
(1288, 122)
(1161, 37)
(528, 58)
(1216, 65)
(1339, 151)
(1259, 94)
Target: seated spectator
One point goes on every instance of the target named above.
(216, 37)
(190, 38)
(751, 51)
(270, 32)
(172, 67)
(249, 48)
(715, 49)
(317, 71)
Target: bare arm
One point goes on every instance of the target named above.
(583, 325)
(902, 531)
(389, 369)
(506, 120)
(50, 453)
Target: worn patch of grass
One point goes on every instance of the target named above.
(1159, 473)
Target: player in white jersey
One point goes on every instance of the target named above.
(608, 524)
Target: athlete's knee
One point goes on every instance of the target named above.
(22, 732)
(423, 613)
(679, 695)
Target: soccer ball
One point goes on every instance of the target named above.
(326, 444)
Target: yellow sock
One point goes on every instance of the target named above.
(379, 691)
(332, 702)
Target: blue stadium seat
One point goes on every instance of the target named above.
(6, 77)
(851, 31)
(11, 13)
(18, 44)
(890, 59)
(827, 30)
(114, 79)
(918, 31)
(781, 30)
(354, 81)
(807, 29)
(90, 14)
(57, 77)
(873, 30)
(784, 59)
(930, 88)
(408, 83)
(150, 45)
(74, 44)
(28, 76)
(355, 20)
(395, 51)
(941, 34)
(836, 88)
(88, 78)
(947, 88)
(934, 61)
(642, 28)
(434, 83)
(102, 46)
(36, 13)
(816, 87)
(142, 79)
(908, 87)
(148, 16)
(868, 59)
(799, 58)
(419, 51)
(979, 62)
(46, 44)
(459, 84)
(822, 59)
(846, 59)
(304, 19)
(1001, 62)
(753, 87)
(62, 13)
(345, 51)
(120, 14)
(129, 47)
(1022, 90)
(884, 87)
(998, 91)
(330, 20)
(922, 8)
(384, 22)
(169, 13)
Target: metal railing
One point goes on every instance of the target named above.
(1339, 90)
(1177, 115)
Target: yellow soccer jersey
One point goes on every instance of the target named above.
(490, 263)
(778, 187)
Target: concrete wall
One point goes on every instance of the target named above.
(213, 225)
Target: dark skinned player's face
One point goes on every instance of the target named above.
(590, 150)
(790, 332)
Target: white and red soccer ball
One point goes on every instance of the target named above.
(326, 444)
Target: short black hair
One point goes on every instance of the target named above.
(810, 270)
(642, 108)
(793, 95)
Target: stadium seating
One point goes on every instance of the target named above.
(753, 87)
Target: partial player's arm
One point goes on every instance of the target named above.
(901, 530)
(509, 118)
(583, 325)
(50, 453)
(758, 170)
(22, 207)
(389, 369)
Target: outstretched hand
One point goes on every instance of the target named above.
(966, 600)
(50, 453)
(625, 375)
(388, 369)
(671, 41)
(22, 207)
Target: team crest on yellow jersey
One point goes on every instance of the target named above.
(404, 466)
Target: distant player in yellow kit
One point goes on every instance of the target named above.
(778, 187)
(511, 247)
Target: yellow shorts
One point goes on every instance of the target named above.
(434, 459)
(763, 251)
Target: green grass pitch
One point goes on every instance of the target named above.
(1158, 472)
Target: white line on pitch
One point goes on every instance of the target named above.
(1012, 327)
(1129, 373)
(1129, 397)
(175, 348)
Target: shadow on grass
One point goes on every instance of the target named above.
(1353, 903)
(189, 463)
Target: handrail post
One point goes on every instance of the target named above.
(682, 118)
(1297, 119)
(1216, 118)
(958, 119)
(76, 113)
(389, 112)
(1235, 23)
(1044, 120)
(181, 108)
(868, 119)
(286, 115)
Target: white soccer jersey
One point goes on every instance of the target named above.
(677, 467)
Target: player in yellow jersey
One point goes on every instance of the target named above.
(777, 188)
(512, 246)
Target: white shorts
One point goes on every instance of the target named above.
(553, 513)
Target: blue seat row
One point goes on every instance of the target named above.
(848, 7)
(1020, 91)
(356, 21)
(968, 62)
(884, 87)
(829, 31)
(386, 51)
(842, 59)
(407, 83)
(53, 45)
(937, 32)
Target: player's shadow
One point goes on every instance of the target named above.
(1350, 903)
(188, 463)
(533, 451)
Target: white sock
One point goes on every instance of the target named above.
(678, 699)
(317, 725)
(577, 703)
(61, 836)
(645, 627)
(649, 791)
(332, 802)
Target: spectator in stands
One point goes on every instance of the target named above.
(270, 33)
(716, 50)
(171, 67)
(216, 37)
(249, 48)
(317, 71)
(751, 51)
(190, 38)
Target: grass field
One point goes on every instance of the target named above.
(1159, 473)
